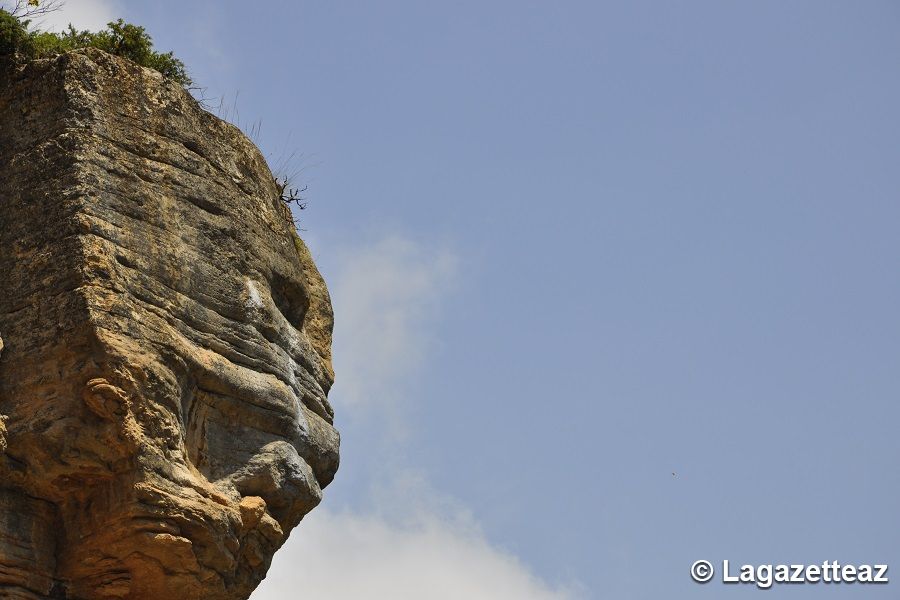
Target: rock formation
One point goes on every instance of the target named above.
(165, 343)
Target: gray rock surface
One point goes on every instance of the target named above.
(166, 343)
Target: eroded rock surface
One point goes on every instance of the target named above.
(165, 343)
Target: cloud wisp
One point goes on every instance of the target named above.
(388, 296)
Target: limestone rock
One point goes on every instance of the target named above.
(166, 343)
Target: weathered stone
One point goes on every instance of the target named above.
(166, 343)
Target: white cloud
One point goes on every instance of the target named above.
(348, 556)
(83, 14)
(387, 296)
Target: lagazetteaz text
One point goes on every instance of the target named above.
(827, 572)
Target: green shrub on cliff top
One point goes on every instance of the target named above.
(13, 34)
(119, 38)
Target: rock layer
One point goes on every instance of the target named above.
(165, 343)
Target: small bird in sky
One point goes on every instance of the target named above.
(673, 473)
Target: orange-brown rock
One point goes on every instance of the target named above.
(165, 343)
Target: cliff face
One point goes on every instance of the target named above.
(165, 343)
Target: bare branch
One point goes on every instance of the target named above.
(27, 9)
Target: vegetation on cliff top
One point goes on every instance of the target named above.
(19, 41)
(119, 38)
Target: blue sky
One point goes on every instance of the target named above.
(575, 247)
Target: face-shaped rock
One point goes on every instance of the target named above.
(167, 344)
